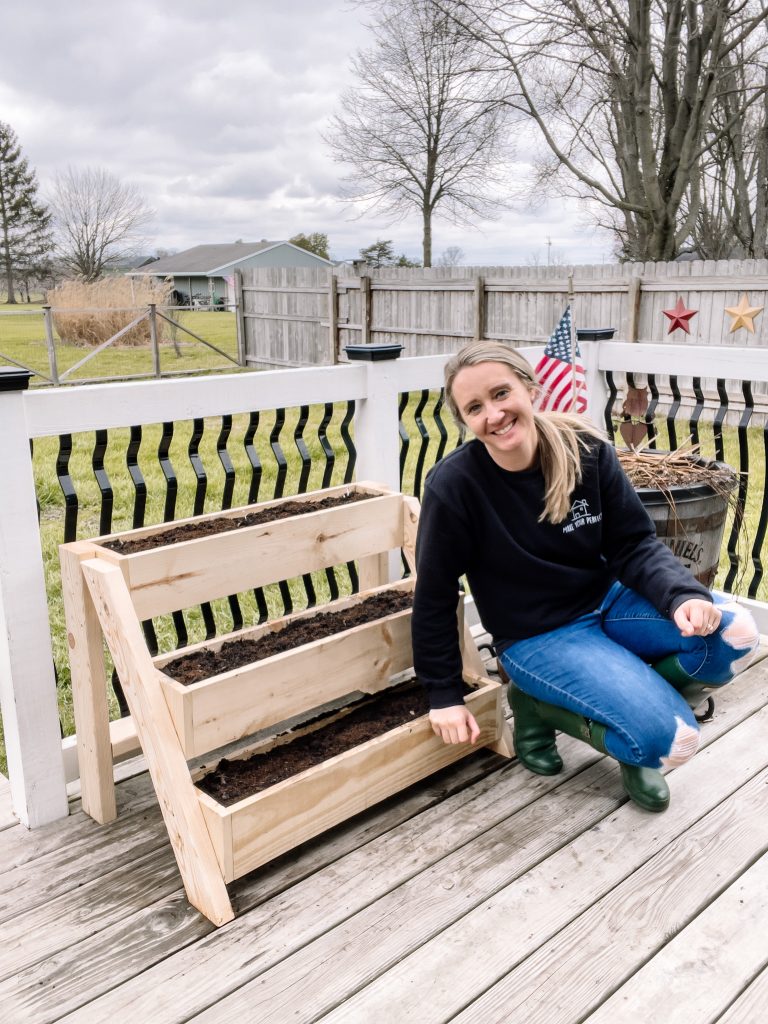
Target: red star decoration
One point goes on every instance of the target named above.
(679, 317)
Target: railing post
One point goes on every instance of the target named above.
(153, 339)
(27, 679)
(50, 344)
(377, 440)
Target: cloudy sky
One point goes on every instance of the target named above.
(215, 111)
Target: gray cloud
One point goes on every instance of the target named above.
(215, 112)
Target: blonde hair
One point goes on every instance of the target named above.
(561, 435)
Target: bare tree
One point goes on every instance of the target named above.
(622, 93)
(731, 189)
(423, 130)
(453, 256)
(97, 219)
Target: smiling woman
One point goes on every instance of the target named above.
(603, 632)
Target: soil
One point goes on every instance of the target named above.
(223, 524)
(191, 668)
(234, 780)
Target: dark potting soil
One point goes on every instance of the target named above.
(191, 668)
(223, 524)
(234, 780)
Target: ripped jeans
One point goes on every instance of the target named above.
(598, 666)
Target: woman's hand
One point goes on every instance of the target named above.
(454, 725)
(697, 617)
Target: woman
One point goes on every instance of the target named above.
(601, 630)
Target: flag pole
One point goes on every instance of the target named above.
(574, 382)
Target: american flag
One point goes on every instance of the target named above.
(558, 378)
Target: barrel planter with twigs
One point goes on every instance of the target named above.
(688, 498)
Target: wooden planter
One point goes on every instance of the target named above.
(109, 592)
(252, 831)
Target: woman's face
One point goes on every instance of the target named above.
(498, 408)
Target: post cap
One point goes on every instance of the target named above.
(373, 353)
(14, 379)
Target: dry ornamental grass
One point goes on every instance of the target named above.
(682, 467)
(101, 309)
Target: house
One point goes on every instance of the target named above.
(206, 273)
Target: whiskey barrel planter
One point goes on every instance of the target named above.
(111, 588)
(690, 516)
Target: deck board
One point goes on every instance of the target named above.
(490, 893)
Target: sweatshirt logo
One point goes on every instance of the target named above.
(580, 515)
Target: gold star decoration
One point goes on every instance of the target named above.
(743, 314)
(679, 317)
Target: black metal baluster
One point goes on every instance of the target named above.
(650, 415)
(306, 466)
(757, 547)
(349, 472)
(253, 496)
(741, 496)
(169, 510)
(405, 439)
(226, 501)
(441, 428)
(349, 444)
(693, 423)
(330, 459)
(720, 416)
(608, 410)
(424, 445)
(201, 488)
(67, 487)
(139, 512)
(282, 471)
(105, 487)
(673, 411)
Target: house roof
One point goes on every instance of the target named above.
(207, 259)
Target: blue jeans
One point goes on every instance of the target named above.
(598, 666)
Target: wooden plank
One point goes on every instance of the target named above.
(308, 497)
(89, 685)
(170, 775)
(298, 809)
(632, 923)
(378, 850)
(238, 703)
(750, 1005)
(704, 968)
(182, 575)
(426, 939)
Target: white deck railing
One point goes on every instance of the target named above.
(27, 685)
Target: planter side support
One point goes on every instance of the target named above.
(191, 842)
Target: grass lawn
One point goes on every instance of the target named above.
(22, 340)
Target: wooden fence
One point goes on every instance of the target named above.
(300, 317)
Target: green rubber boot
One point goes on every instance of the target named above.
(692, 690)
(533, 737)
(646, 787)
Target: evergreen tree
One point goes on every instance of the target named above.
(25, 235)
(317, 243)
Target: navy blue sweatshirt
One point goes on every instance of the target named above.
(528, 577)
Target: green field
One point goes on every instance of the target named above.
(22, 340)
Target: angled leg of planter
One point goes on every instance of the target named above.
(89, 687)
(191, 842)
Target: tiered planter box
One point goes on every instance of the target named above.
(111, 593)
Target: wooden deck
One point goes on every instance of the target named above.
(486, 894)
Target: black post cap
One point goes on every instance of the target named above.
(14, 379)
(373, 353)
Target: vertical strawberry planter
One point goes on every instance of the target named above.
(111, 586)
